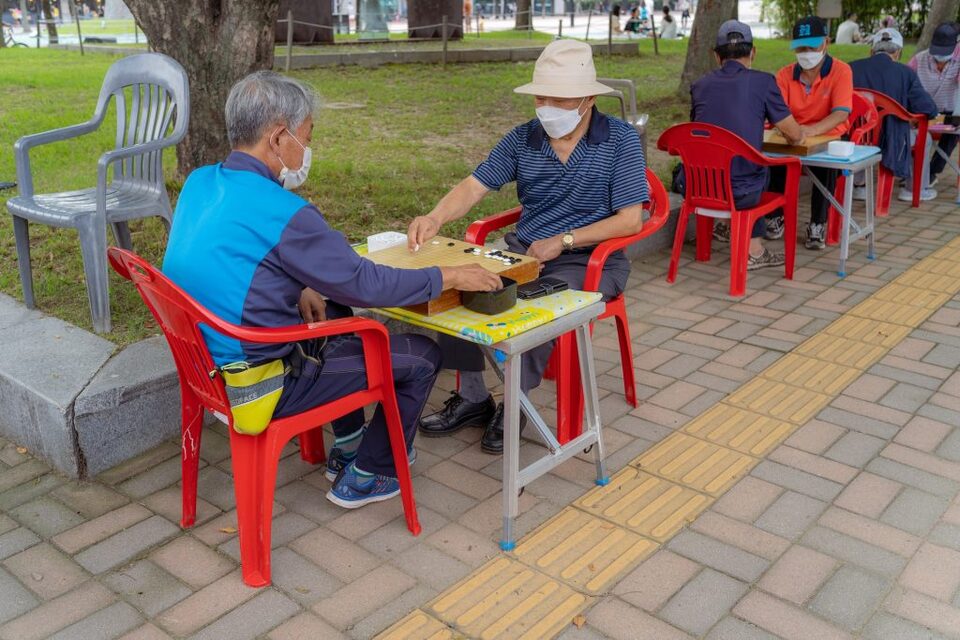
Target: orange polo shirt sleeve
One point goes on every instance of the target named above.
(831, 91)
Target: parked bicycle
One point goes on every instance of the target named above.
(8, 40)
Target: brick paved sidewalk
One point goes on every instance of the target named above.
(850, 527)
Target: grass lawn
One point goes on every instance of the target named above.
(393, 141)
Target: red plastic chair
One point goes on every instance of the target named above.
(707, 152)
(864, 127)
(888, 107)
(255, 458)
(564, 366)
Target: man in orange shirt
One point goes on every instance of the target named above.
(819, 91)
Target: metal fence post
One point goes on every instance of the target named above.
(289, 39)
(76, 18)
(560, 29)
(589, 18)
(653, 34)
(444, 32)
(610, 34)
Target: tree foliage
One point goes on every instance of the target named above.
(910, 16)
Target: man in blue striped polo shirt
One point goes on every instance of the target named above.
(581, 179)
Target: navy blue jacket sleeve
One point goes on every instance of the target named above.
(774, 104)
(320, 258)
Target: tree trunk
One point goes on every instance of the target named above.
(51, 25)
(703, 38)
(940, 11)
(217, 42)
(523, 20)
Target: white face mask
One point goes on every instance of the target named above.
(293, 179)
(809, 59)
(559, 122)
(943, 59)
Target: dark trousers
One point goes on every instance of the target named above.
(748, 201)
(571, 267)
(415, 360)
(818, 203)
(937, 163)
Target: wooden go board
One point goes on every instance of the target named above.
(447, 252)
(776, 143)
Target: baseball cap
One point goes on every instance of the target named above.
(944, 40)
(809, 32)
(891, 35)
(734, 32)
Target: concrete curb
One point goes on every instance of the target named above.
(378, 58)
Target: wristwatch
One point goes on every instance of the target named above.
(567, 241)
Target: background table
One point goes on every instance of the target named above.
(864, 158)
(504, 338)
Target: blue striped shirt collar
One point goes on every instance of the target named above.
(597, 132)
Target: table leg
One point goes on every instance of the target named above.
(871, 214)
(588, 377)
(511, 449)
(847, 214)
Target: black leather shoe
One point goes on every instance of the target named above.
(492, 440)
(456, 414)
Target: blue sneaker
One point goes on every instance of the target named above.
(350, 491)
(336, 462)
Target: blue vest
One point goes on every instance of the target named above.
(225, 224)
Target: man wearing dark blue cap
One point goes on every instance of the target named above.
(939, 70)
(819, 91)
(741, 100)
(882, 72)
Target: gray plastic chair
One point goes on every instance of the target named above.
(151, 93)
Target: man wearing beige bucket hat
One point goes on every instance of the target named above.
(581, 179)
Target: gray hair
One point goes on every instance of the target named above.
(266, 98)
(885, 46)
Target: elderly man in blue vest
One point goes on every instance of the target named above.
(249, 249)
(581, 179)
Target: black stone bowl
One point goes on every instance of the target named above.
(492, 302)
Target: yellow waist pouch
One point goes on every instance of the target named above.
(253, 392)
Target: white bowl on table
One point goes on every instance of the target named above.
(840, 148)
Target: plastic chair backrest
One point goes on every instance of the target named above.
(864, 121)
(180, 317)
(707, 152)
(659, 205)
(887, 106)
(151, 92)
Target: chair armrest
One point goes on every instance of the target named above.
(600, 254)
(114, 155)
(478, 231)
(21, 148)
(771, 161)
(295, 333)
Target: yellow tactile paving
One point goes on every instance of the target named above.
(739, 429)
(694, 463)
(418, 626)
(812, 374)
(845, 351)
(778, 400)
(871, 331)
(939, 266)
(889, 311)
(586, 552)
(506, 599)
(931, 281)
(651, 506)
(911, 296)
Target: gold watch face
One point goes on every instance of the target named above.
(567, 240)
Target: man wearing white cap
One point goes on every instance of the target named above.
(581, 179)
(882, 72)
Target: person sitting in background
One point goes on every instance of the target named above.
(633, 22)
(819, 91)
(882, 72)
(939, 71)
(741, 100)
(615, 19)
(848, 32)
(668, 26)
(247, 248)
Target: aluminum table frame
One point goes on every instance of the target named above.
(950, 161)
(846, 210)
(505, 358)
